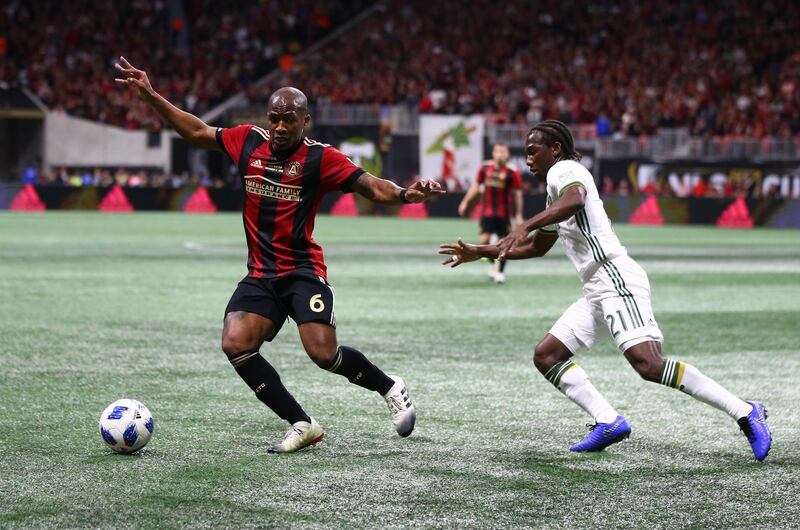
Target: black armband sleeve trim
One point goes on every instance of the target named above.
(347, 186)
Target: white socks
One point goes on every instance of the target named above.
(573, 382)
(690, 380)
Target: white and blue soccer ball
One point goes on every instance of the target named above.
(126, 426)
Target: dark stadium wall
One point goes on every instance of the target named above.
(755, 178)
(774, 212)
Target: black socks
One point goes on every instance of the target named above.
(262, 378)
(352, 364)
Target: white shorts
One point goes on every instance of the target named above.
(616, 302)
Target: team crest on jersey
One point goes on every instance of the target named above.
(295, 168)
(497, 179)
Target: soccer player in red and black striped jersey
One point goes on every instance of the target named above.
(285, 175)
(500, 185)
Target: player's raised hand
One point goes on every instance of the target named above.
(459, 253)
(422, 190)
(133, 77)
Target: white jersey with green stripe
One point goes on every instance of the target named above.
(587, 236)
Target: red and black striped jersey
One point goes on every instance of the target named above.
(497, 183)
(282, 196)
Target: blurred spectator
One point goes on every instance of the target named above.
(608, 185)
(29, 175)
(729, 67)
(603, 126)
(64, 51)
(629, 67)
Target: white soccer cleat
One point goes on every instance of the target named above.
(499, 278)
(404, 414)
(299, 436)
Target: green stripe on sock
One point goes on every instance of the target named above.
(671, 373)
(665, 371)
(555, 373)
(675, 373)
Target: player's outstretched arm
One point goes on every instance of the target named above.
(571, 202)
(387, 192)
(534, 246)
(189, 126)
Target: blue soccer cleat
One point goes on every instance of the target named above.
(601, 435)
(754, 426)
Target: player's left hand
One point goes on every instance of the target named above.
(459, 253)
(508, 242)
(422, 190)
(133, 77)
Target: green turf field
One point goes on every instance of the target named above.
(97, 307)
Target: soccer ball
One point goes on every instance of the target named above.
(126, 426)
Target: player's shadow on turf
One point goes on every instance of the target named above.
(118, 457)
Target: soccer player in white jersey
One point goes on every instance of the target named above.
(615, 301)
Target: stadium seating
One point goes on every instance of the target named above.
(731, 71)
(631, 67)
(197, 52)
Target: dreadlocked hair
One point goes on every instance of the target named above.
(555, 131)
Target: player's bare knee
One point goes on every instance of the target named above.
(234, 344)
(647, 360)
(323, 355)
(544, 357)
(648, 369)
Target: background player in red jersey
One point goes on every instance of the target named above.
(498, 183)
(285, 175)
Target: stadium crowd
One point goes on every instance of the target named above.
(197, 52)
(719, 68)
(729, 67)
(126, 177)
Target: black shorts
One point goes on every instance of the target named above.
(496, 225)
(301, 296)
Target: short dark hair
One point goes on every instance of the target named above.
(556, 131)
